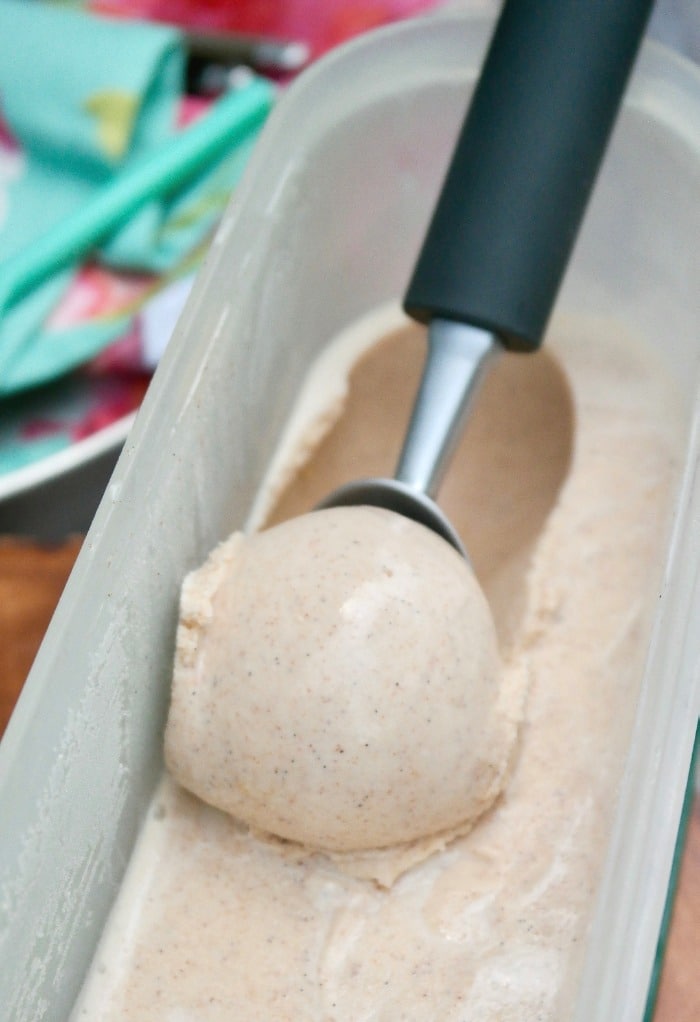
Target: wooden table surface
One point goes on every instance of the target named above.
(31, 580)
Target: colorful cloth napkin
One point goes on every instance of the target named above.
(84, 102)
(89, 107)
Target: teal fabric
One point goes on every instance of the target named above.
(83, 100)
(83, 96)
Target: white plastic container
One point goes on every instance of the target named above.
(326, 226)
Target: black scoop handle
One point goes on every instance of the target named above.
(524, 165)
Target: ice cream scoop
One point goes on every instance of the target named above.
(506, 220)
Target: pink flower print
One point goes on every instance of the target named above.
(99, 293)
(121, 356)
(41, 428)
(11, 165)
(7, 139)
(120, 397)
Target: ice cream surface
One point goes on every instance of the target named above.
(338, 683)
(561, 490)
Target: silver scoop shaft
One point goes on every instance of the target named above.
(457, 359)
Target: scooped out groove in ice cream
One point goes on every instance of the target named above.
(337, 683)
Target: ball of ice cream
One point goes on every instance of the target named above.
(337, 683)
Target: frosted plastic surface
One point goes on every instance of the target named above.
(325, 226)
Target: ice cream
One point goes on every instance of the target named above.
(561, 490)
(338, 683)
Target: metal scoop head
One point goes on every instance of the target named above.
(457, 358)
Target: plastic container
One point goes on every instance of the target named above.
(325, 226)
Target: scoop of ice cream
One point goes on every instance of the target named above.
(336, 683)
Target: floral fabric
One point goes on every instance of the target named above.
(83, 98)
(85, 90)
